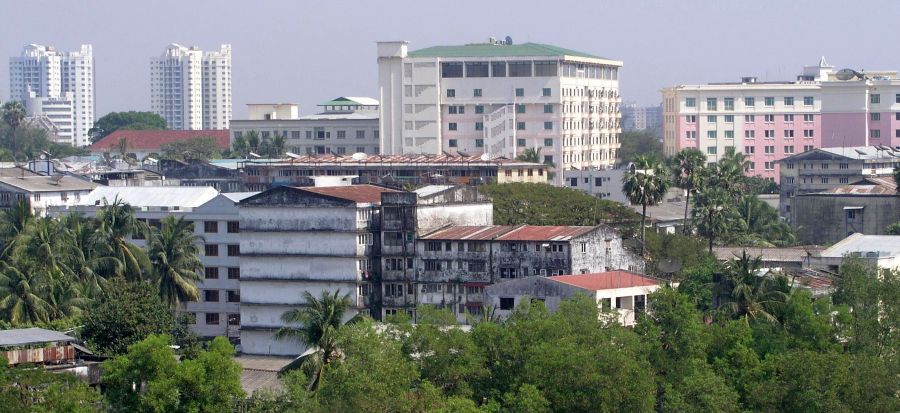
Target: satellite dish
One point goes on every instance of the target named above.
(359, 156)
(485, 157)
(292, 155)
(859, 152)
(509, 41)
(845, 74)
(254, 155)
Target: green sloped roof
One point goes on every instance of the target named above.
(491, 50)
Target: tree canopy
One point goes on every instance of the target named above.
(201, 148)
(640, 143)
(543, 204)
(132, 120)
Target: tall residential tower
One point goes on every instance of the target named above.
(50, 81)
(499, 99)
(191, 88)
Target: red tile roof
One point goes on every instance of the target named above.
(155, 139)
(357, 193)
(607, 280)
(544, 233)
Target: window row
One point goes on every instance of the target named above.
(807, 117)
(318, 133)
(212, 227)
(212, 250)
(212, 273)
(728, 103)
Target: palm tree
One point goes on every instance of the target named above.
(84, 260)
(13, 222)
(688, 167)
(712, 213)
(239, 146)
(116, 222)
(645, 185)
(532, 155)
(762, 221)
(728, 173)
(276, 146)
(21, 296)
(252, 138)
(750, 295)
(174, 255)
(316, 325)
(13, 115)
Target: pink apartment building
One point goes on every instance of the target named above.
(768, 121)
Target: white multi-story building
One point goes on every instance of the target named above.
(43, 72)
(499, 99)
(641, 118)
(215, 219)
(190, 88)
(59, 114)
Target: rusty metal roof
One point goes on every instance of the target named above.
(544, 233)
(607, 280)
(357, 193)
(868, 186)
(469, 233)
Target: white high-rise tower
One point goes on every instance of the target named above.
(190, 88)
(44, 72)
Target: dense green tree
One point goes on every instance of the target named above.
(201, 148)
(132, 120)
(22, 296)
(646, 185)
(543, 204)
(526, 399)
(713, 213)
(40, 391)
(874, 318)
(174, 254)
(760, 225)
(124, 314)
(689, 251)
(687, 166)
(893, 229)
(316, 325)
(640, 143)
(115, 223)
(13, 116)
(749, 294)
(13, 222)
(756, 185)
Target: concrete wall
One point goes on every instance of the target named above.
(287, 219)
(822, 219)
(435, 216)
(603, 251)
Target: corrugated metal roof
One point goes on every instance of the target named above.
(868, 186)
(499, 50)
(544, 233)
(431, 189)
(148, 196)
(606, 280)
(792, 254)
(883, 245)
(357, 193)
(469, 233)
(49, 183)
(24, 336)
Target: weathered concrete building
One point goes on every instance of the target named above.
(867, 207)
(453, 265)
(621, 291)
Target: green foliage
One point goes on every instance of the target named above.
(756, 185)
(175, 258)
(130, 120)
(21, 141)
(893, 229)
(690, 251)
(645, 186)
(640, 143)
(266, 147)
(543, 204)
(149, 379)
(124, 314)
(35, 390)
(202, 147)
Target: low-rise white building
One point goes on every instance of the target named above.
(881, 251)
(42, 192)
(622, 291)
(215, 219)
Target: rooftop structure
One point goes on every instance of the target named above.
(772, 257)
(881, 251)
(30, 336)
(867, 207)
(141, 143)
(606, 280)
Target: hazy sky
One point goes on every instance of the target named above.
(308, 52)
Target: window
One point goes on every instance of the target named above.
(520, 92)
(692, 102)
(749, 150)
(507, 303)
(573, 181)
(711, 150)
(788, 101)
(451, 93)
(789, 149)
(769, 149)
(711, 103)
(498, 69)
(234, 319)
(546, 91)
(548, 125)
(729, 118)
(234, 273)
(690, 119)
(825, 165)
(788, 133)
(711, 134)
(749, 118)
(788, 118)
(548, 142)
(479, 143)
(479, 109)
(211, 250)
(212, 318)
(360, 134)
(769, 101)
(874, 133)
(211, 296)
(295, 134)
(210, 227)
(520, 108)
(711, 118)
(342, 134)
(452, 143)
(479, 125)
(598, 181)
(452, 69)
(451, 126)
(211, 273)
(729, 134)
(234, 250)
(769, 166)
(874, 98)
(875, 117)
(750, 102)
(824, 180)
(808, 101)
(728, 103)
(548, 108)
(233, 296)
(233, 227)
(809, 117)
(520, 142)
(508, 272)
(519, 69)
(769, 133)
(769, 118)
(520, 125)
(477, 69)
(476, 93)
(808, 133)
(844, 166)
(749, 134)
(691, 134)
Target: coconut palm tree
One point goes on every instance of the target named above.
(115, 222)
(13, 222)
(276, 146)
(174, 255)
(761, 221)
(21, 296)
(530, 155)
(728, 173)
(713, 212)
(316, 325)
(83, 260)
(688, 167)
(750, 295)
(13, 115)
(252, 138)
(645, 185)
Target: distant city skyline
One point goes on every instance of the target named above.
(281, 54)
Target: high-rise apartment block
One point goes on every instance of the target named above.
(48, 80)
(499, 99)
(768, 121)
(641, 118)
(191, 88)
